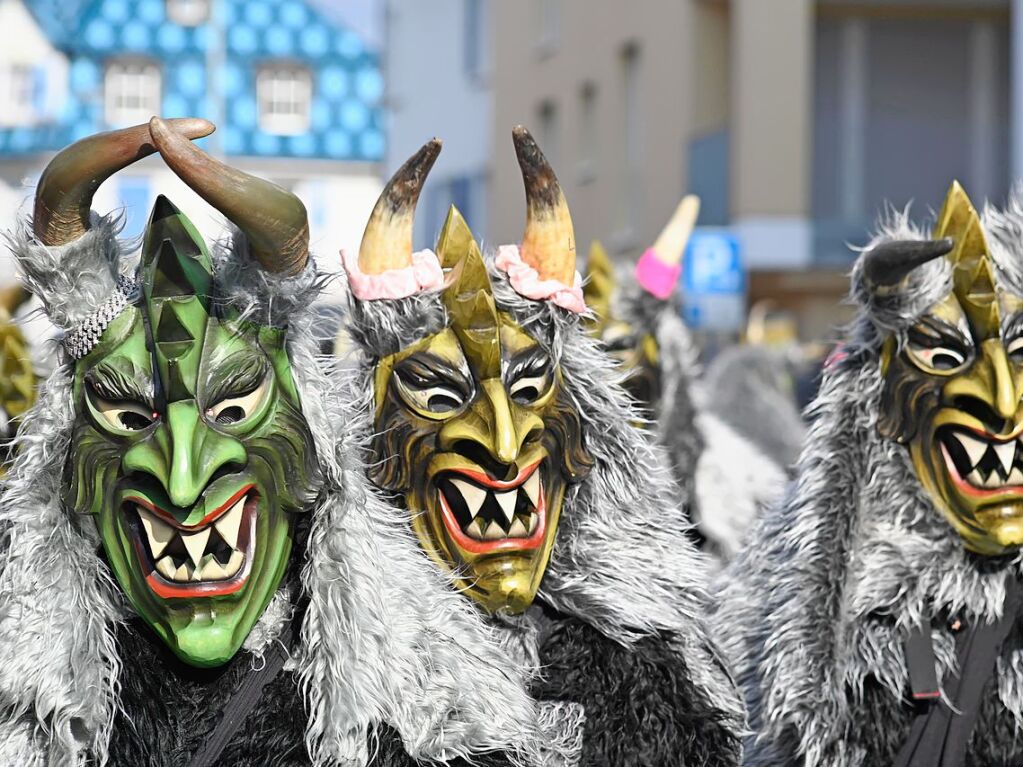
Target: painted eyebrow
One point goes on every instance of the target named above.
(119, 379)
(236, 375)
(1013, 326)
(430, 366)
(526, 359)
(932, 331)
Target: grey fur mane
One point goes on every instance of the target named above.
(855, 554)
(385, 640)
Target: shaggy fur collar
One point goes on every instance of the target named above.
(385, 639)
(814, 613)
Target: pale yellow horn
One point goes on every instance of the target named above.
(387, 241)
(671, 243)
(548, 244)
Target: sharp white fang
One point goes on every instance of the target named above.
(534, 520)
(474, 496)
(1006, 454)
(494, 532)
(532, 488)
(159, 533)
(975, 448)
(507, 503)
(975, 479)
(1016, 476)
(993, 480)
(517, 530)
(234, 564)
(229, 523)
(475, 529)
(213, 571)
(183, 573)
(166, 568)
(195, 544)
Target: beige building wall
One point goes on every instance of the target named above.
(622, 170)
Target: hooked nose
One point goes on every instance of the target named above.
(495, 433)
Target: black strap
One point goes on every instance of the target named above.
(939, 735)
(245, 699)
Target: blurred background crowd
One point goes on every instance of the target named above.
(796, 121)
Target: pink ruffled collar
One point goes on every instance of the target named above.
(527, 283)
(424, 273)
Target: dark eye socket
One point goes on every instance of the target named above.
(431, 391)
(133, 421)
(944, 361)
(230, 415)
(531, 381)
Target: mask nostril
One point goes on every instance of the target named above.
(481, 456)
(983, 412)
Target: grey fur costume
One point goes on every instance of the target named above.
(622, 572)
(815, 612)
(725, 478)
(390, 665)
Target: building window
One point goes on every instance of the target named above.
(285, 94)
(630, 189)
(548, 16)
(587, 133)
(18, 91)
(547, 115)
(131, 92)
(188, 13)
(475, 39)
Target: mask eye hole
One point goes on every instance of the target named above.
(428, 394)
(123, 415)
(939, 359)
(1015, 349)
(233, 410)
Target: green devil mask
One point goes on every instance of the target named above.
(474, 429)
(190, 449)
(953, 386)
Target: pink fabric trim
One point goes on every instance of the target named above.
(527, 282)
(423, 274)
(657, 278)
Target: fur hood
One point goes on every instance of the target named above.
(622, 561)
(817, 608)
(385, 638)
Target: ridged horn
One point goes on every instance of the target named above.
(273, 219)
(548, 243)
(67, 185)
(889, 263)
(671, 243)
(387, 241)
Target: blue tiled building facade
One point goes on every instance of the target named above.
(339, 90)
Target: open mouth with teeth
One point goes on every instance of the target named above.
(210, 558)
(980, 464)
(484, 515)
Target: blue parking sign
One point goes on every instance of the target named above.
(713, 282)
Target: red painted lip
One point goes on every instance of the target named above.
(171, 590)
(500, 545)
(204, 522)
(1010, 492)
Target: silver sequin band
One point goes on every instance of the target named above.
(83, 337)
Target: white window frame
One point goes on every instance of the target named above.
(284, 95)
(132, 91)
(188, 13)
(17, 93)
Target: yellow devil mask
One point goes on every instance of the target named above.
(473, 428)
(953, 383)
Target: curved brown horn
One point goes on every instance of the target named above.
(65, 190)
(889, 263)
(387, 241)
(548, 244)
(274, 220)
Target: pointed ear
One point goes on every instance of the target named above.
(600, 281)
